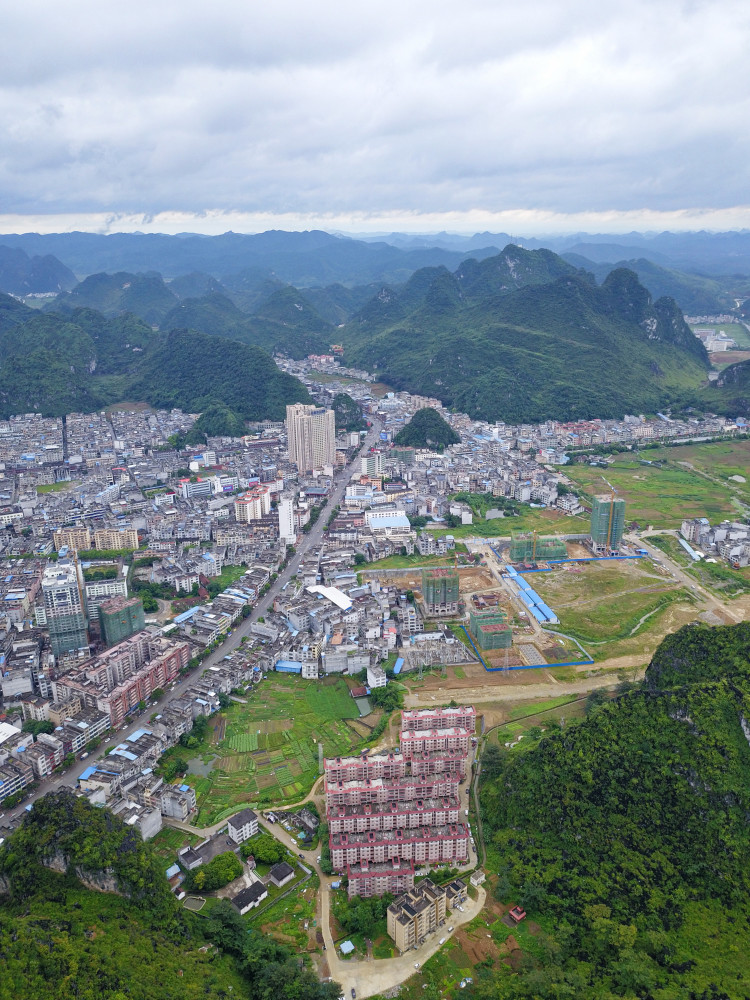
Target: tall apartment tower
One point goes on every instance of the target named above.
(287, 531)
(64, 607)
(311, 431)
(607, 523)
(392, 812)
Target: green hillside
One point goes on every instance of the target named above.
(427, 429)
(695, 294)
(284, 322)
(144, 295)
(730, 394)
(124, 937)
(626, 837)
(83, 360)
(22, 275)
(511, 338)
(195, 371)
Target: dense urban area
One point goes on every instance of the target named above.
(275, 656)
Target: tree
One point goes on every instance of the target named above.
(388, 698)
(150, 604)
(35, 727)
(220, 871)
(267, 849)
(359, 559)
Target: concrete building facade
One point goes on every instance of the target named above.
(311, 433)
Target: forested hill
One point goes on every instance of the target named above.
(524, 336)
(83, 361)
(126, 937)
(627, 836)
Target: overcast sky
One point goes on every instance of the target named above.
(534, 117)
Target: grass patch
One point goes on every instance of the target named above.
(667, 493)
(547, 520)
(54, 487)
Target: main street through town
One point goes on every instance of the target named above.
(311, 540)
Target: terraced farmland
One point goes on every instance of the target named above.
(268, 750)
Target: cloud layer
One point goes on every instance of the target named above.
(473, 111)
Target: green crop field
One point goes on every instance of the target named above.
(269, 752)
(662, 496)
(545, 520)
(606, 603)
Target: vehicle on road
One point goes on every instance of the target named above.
(354, 994)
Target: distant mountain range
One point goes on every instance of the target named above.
(703, 272)
(525, 336)
(24, 275)
(521, 335)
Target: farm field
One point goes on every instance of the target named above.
(664, 495)
(544, 520)
(267, 749)
(603, 603)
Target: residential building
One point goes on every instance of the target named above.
(116, 538)
(440, 590)
(254, 505)
(242, 825)
(417, 913)
(281, 873)
(77, 537)
(287, 530)
(607, 523)
(250, 897)
(119, 618)
(64, 607)
(97, 591)
(390, 812)
(311, 433)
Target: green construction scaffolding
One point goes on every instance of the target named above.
(490, 629)
(528, 547)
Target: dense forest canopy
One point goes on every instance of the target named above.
(621, 833)
(132, 941)
(427, 429)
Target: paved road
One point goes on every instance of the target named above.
(372, 976)
(715, 603)
(70, 777)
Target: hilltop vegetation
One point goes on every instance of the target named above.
(59, 939)
(695, 294)
(23, 275)
(525, 337)
(627, 836)
(83, 361)
(427, 429)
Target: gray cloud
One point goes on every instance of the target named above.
(341, 109)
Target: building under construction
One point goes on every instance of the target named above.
(440, 591)
(529, 547)
(607, 524)
(490, 629)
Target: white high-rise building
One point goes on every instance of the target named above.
(254, 505)
(287, 531)
(311, 432)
